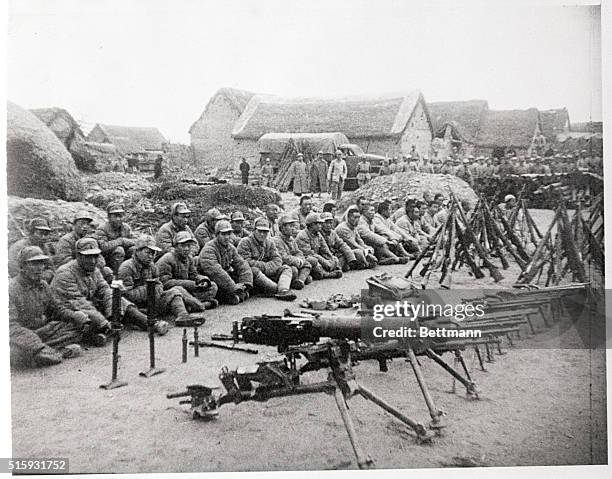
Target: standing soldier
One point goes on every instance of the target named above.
(158, 170)
(270, 275)
(244, 171)
(115, 237)
(425, 166)
(79, 286)
(363, 172)
(318, 175)
(42, 331)
(38, 235)
(299, 172)
(221, 261)
(237, 222)
(267, 173)
(313, 246)
(290, 254)
(336, 174)
(164, 238)
(177, 268)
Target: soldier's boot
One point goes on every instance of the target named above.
(47, 356)
(70, 351)
(134, 316)
(302, 277)
(336, 274)
(94, 336)
(193, 304)
(308, 280)
(284, 283)
(182, 317)
(372, 261)
(264, 285)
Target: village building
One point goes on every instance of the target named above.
(456, 126)
(392, 125)
(134, 143)
(211, 134)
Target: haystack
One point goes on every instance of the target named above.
(60, 215)
(403, 184)
(38, 164)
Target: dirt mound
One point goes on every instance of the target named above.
(154, 209)
(59, 214)
(38, 164)
(403, 184)
(103, 188)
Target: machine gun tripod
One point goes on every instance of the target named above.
(281, 378)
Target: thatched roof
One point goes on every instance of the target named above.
(305, 142)
(508, 128)
(465, 117)
(132, 139)
(588, 127)
(356, 117)
(553, 122)
(238, 99)
(59, 122)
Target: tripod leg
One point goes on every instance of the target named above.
(434, 412)
(419, 429)
(459, 358)
(470, 387)
(363, 461)
(482, 366)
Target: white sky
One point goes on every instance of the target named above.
(156, 62)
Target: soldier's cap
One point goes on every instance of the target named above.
(262, 224)
(179, 208)
(426, 157)
(87, 246)
(410, 198)
(327, 216)
(31, 253)
(300, 154)
(329, 202)
(409, 156)
(351, 209)
(509, 197)
(471, 157)
(39, 224)
(320, 152)
(286, 219)
(313, 218)
(115, 208)
(237, 216)
(215, 214)
(465, 160)
(223, 226)
(146, 241)
(267, 160)
(183, 237)
(83, 215)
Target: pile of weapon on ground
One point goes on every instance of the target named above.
(487, 235)
(311, 342)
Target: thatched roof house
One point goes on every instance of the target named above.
(211, 138)
(514, 129)
(463, 117)
(588, 127)
(554, 122)
(129, 140)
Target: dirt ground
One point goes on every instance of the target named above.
(540, 405)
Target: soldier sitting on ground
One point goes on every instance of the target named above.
(79, 286)
(65, 250)
(134, 274)
(270, 275)
(382, 246)
(205, 231)
(337, 246)
(411, 223)
(42, 331)
(400, 242)
(348, 232)
(115, 237)
(38, 235)
(167, 232)
(237, 222)
(290, 254)
(303, 210)
(272, 213)
(313, 246)
(177, 268)
(221, 261)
